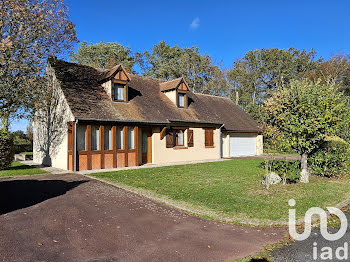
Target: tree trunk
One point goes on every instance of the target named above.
(304, 177)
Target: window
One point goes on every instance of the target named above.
(179, 138)
(95, 138)
(131, 138)
(120, 138)
(181, 100)
(174, 138)
(144, 143)
(119, 92)
(81, 138)
(108, 138)
(209, 137)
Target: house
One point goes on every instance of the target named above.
(100, 119)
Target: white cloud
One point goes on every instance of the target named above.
(195, 23)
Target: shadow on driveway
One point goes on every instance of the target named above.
(17, 194)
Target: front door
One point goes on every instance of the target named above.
(146, 146)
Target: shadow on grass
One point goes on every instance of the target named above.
(17, 194)
(21, 167)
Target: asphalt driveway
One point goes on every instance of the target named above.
(303, 251)
(69, 217)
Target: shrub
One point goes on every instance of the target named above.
(289, 170)
(332, 159)
(6, 150)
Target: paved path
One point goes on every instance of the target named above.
(302, 251)
(68, 217)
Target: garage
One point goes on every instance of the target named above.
(242, 145)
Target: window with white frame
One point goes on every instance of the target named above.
(95, 138)
(119, 90)
(181, 100)
(131, 138)
(108, 138)
(120, 137)
(81, 138)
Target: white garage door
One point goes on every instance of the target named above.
(242, 145)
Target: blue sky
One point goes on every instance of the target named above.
(224, 29)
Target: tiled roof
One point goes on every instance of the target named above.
(87, 99)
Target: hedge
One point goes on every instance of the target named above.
(332, 159)
(6, 150)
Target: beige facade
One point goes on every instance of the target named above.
(162, 154)
(108, 88)
(259, 145)
(172, 96)
(50, 133)
(226, 145)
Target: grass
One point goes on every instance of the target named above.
(232, 189)
(26, 153)
(19, 169)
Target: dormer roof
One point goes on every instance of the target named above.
(178, 83)
(111, 73)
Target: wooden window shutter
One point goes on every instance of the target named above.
(170, 139)
(206, 137)
(190, 138)
(209, 137)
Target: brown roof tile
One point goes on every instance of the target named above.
(88, 100)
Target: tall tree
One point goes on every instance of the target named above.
(336, 70)
(166, 62)
(261, 72)
(305, 112)
(103, 55)
(30, 31)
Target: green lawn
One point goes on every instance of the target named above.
(18, 169)
(232, 189)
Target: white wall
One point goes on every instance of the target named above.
(50, 130)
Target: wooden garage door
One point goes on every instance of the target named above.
(242, 145)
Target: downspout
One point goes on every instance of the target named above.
(75, 146)
(221, 149)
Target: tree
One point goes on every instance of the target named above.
(29, 131)
(334, 71)
(305, 112)
(30, 31)
(166, 62)
(259, 73)
(104, 55)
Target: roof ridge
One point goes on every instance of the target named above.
(213, 96)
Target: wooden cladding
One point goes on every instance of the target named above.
(209, 137)
(107, 156)
(190, 138)
(71, 145)
(183, 86)
(121, 75)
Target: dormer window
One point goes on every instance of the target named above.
(115, 82)
(181, 99)
(177, 91)
(119, 92)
